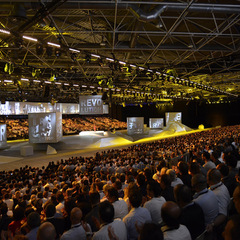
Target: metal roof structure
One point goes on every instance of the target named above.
(133, 50)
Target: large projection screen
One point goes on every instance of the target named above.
(45, 127)
(156, 122)
(135, 125)
(173, 117)
(90, 105)
(3, 135)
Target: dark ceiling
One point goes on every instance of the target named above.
(162, 50)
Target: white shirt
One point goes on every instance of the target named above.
(139, 215)
(120, 209)
(176, 181)
(59, 207)
(119, 229)
(76, 232)
(181, 233)
(154, 206)
(222, 194)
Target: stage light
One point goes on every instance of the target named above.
(49, 51)
(30, 38)
(54, 44)
(4, 31)
(96, 56)
(74, 50)
(73, 57)
(39, 49)
(58, 52)
(88, 58)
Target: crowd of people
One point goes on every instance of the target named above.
(18, 128)
(178, 188)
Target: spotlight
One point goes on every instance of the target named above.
(73, 57)
(18, 43)
(39, 49)
(49, 51)
(88, 58)
(58, 52)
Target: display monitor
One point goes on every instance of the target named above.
(135, 125)
(173, 117)
(156, 122)
(45, 127)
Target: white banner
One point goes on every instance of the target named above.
(23, 108)
(90, 105)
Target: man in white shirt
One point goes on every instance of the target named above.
(120, 206)
(60, 206)
(138, 215)
(154, 205)
(106, 214)
(172, 230)
(223, 198)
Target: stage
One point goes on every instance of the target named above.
(85, 144)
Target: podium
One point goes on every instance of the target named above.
(26, 151)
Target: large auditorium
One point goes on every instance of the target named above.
(120, 120)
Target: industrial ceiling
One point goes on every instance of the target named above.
(133, 50)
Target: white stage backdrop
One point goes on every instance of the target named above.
(156, 122)
(23, 108)
(135, 125)
(3, 135)
(45, 127)
(173, 117)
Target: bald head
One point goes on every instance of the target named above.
(46, 231)
(170, 214)
(76, 215)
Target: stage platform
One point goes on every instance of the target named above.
(83, 144)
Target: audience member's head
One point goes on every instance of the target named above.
(213, 176)
(182, 195)
(50, 210)
(236, 198)
(232, 229)
(106, 212)
(223, 168)
(153, 189)
(135, 197)
(76, 215)
(94, 198)
(46, 231)
(199, 182)
(112, 194)
(150, 231)
(170, 214)
(33, 220)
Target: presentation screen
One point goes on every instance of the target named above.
(3, 135)
(156, 122)
(45, 127)
(90, 105)
(135, 125)
(173, 117)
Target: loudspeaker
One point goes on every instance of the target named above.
(104, 96)
(46, 91)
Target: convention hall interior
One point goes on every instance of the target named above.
(93, 88)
